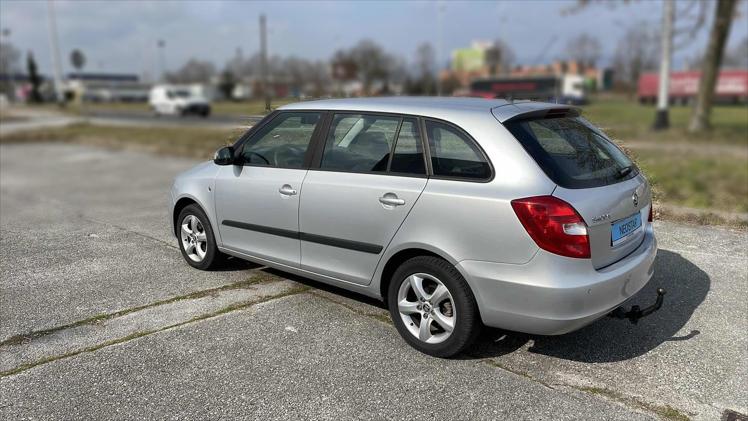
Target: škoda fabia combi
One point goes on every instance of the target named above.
(456, 212)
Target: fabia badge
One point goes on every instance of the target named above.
(635, 199)
(601, 218)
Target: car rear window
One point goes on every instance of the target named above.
(572, 152)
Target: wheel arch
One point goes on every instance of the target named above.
(398, 257)
(180, 204)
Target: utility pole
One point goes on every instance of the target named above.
(161, 44)
(264, 62)
(439, 23)
(54, 48)
(8, 70)
(662, 121)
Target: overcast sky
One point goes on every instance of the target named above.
(121, 36)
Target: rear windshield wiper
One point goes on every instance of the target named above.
(623, 172)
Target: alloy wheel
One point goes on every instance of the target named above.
(194, 238)
(427, 308)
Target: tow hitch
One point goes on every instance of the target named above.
(637, 313)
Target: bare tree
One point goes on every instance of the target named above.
(691, 17)
(227, 83)
(368, 61)
(10, 59)
(737, 57)
(426, 65)
(499, 57)
(35, 95)
(77, 59)
(194, 71)
(724, 12)
(637, 51)
(585, 49)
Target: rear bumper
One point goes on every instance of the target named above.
(552, 295)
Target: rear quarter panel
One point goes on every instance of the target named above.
(462, 220)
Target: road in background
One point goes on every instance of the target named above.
(84, 233)
(31, 118)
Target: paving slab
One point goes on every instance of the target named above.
(83, 233)
(299, 357)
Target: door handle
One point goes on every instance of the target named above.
(287, 190)
(390, 199)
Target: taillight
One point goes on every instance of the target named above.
(554, 225)
(650, 218)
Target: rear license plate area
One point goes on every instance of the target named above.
(623, 229)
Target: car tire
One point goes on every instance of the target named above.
(196, 240)
(462, 315)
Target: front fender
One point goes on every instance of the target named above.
(197, 185)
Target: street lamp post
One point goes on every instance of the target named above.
(55, 51)
(662, 120)
(264, 62)
(8, 70)
(161, 44)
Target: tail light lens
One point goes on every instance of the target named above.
(554, 225)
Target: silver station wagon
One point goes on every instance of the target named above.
(456, 212)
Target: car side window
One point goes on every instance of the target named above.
(359, 143)
(282, 142)
(453, 154)
(408, 156)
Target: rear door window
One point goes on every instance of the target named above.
(365, 143)
(359, 143)
(572, 152)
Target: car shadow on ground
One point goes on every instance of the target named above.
(608, 339)
(235, 264)
(605, 340)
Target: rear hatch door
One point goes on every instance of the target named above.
(616, 217)
(592, 174)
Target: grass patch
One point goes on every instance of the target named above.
(511, 370)
(259, 277)
(228, 108)
(6, 117)
(666, 411)
(233, 307)
(188, 142)
(384, 318)
(692, 180)
(628, 120)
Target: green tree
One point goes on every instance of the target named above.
(35, 96)
(227, 84)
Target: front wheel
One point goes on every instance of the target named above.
(196, 240)
(433, 307)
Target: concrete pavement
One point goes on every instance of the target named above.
(102, 319)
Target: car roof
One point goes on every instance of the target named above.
(436, 107)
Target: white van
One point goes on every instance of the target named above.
(174, 100)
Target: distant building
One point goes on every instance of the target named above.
(470, 64)
(471, 59)
(106, 87)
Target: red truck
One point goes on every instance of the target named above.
(732, 87)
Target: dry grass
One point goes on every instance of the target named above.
(188, 142)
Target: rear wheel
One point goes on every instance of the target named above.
(433, 307)
(196, 240)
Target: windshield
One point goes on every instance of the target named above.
(572, 152)
(180, 94)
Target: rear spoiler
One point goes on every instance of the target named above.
(533, 110)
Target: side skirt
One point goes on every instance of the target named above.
(347, 285)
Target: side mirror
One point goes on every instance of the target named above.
(224, 156)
